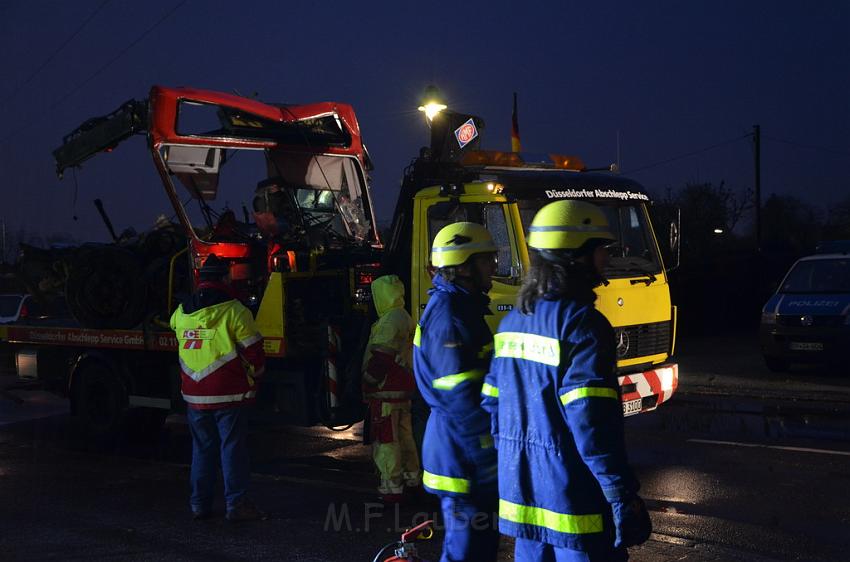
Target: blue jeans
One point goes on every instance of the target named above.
(471, 532)
(526, 550)
(218, 435)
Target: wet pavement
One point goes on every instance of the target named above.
(741, 465)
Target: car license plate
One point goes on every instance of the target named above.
(805, 346)
(632, 407)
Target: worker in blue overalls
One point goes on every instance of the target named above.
(451, 354)
(566, 490)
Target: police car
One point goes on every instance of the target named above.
(808, 319)
(14, 308)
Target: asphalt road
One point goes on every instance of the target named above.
(741, 465)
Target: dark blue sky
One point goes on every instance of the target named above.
(673, 77)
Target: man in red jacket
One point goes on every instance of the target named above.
(221, 358)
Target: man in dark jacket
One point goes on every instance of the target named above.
(451, 353)
(221, 358)
(567, 492)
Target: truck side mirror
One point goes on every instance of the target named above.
(675, 240)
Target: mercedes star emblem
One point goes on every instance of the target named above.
(622, 343)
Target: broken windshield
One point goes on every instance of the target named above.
(240, 193)
(634, 252)
(196, 119)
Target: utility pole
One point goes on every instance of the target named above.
(757, 189)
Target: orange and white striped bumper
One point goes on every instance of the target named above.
(644, 392)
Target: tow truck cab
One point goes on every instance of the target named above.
(503, 191)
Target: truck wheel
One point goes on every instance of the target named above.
(776, 364)
(100, 400)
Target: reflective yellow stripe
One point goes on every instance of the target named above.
(486, 441)
(450, 381)
(588, 392)
(531, 347)
(539, 517)
(417, 336)
(488, 389)
(445, 483)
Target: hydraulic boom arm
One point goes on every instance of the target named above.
(101, 134)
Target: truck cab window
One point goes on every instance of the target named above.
(632, 253)
(491, 215)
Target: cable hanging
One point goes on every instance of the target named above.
(689, 154)
(808, 146)
(120, 54)
(53, 55)
(94, 75)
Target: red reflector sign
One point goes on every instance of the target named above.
(466, 133)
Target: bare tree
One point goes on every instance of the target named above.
(837, 224)
(710, 214)
(790, 225)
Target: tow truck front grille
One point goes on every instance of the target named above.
(642, 340)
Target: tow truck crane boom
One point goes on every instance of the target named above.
(101, 134)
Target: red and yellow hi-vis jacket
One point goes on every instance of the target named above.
(220, 349)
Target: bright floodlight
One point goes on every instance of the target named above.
(718, 231)
(431, 109)
(432, 102)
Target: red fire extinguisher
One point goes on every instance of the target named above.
(404, 550)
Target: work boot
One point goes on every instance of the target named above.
(244, 511)
(201, 514)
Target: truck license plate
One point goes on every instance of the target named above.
(805, 346)
(632, 407)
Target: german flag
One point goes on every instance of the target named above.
(515, 145)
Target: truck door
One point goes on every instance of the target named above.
(496, 216)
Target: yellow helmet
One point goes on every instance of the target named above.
(568, 225)
(456, 242)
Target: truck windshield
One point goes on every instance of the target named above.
(318, 193)
(634, 252)
(818, 276)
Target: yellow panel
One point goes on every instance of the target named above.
(675, 326)
(270, 317)
(420, 281)
(654, 359)
(625, 304)
(272, 346)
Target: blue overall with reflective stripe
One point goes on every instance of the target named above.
(451, 355)
(557, 418)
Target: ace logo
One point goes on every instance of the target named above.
(194, 339)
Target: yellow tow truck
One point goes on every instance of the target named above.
(452, 180)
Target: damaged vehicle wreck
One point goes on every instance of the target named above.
(280, 192)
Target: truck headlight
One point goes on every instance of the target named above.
(768, 318)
